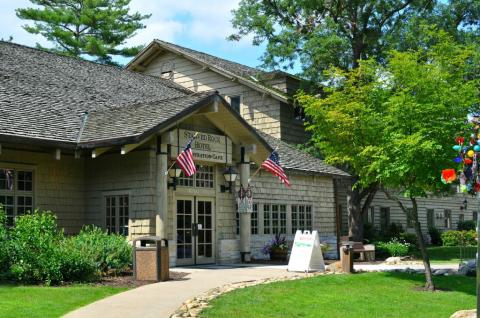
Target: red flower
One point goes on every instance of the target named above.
(448, 175)
(460, 140)
(468, 161)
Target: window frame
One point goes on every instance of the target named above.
(117, 195)
(16, 194)
(307, 210)
(240, 102)
(192, 181)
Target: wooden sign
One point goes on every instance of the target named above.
(306, 253)
(205, 147)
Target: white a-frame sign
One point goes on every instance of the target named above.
(306, 253)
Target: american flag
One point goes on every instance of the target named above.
(185, 160)
(272, 164)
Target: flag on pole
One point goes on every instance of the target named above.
(185, 160)
(272, 164)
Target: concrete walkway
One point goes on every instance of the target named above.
(160, 300)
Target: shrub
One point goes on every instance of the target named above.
(466, 225)
(34, 249)
(4, 244)
(435, 238)
(394, 247)
(409, 238)
(76, 265)
(459, 238)
(111, 252)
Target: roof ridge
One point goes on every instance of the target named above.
(164, 81)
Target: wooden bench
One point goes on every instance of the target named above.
(366, 251)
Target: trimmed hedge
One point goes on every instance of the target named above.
(459, 238)
(36, 251)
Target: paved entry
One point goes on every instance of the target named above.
(160, 300)
(195, 231)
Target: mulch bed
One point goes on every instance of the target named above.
(128, 281)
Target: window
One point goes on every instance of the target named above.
(301, 217)
(167, 70)
(447, 216)
(298, 113)
(235, 102)
(253, 219)
(266, 219)
(202, 179)
(410, 217)
(461, 218)
(430, 218)
(474, 216)
(117, 207)
(384, 219)
(372, 215)
(16, 192)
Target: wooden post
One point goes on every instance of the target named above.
(161, 190)
(245, 218)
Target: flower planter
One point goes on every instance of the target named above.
(278, 254)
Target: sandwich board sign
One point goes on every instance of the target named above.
(306, 253)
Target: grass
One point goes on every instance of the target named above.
(449, 254)
(38, 301)
(360, 295)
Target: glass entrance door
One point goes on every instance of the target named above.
(195, 231)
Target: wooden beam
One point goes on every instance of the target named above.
(212, 108)
(58, 154)
(98, 151)
(129, 147)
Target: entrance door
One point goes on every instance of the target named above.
(195, 231)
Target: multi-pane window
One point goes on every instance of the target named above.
(203, 178)
(267, 221)
(410, 217)
(430, 218)
(278, 217)
(235, 103)
(253, 219)
(16, 192)
(447, 217)
(117, 207)
(301, 217)
(384, 218)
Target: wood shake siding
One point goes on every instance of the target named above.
(261, 111)
(58, 184)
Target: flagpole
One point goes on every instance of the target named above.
(258, 170)
(194, 136)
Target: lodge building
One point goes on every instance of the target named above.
(94, 144)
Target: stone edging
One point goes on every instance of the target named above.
(193, 306)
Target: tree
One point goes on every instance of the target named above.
(96, 28)
(400, 118)
(320, 34)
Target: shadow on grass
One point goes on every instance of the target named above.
(455, 283)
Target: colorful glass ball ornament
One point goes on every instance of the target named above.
(448, 176)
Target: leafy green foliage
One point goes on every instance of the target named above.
(97, 28)
(466, 225)
(34, 252)
(111, 253)
(435, 236)
(459, 238)
(395, 247)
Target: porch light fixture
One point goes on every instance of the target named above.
(230, 176)
(465, 205)
(174, 173)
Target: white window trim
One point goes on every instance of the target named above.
(104, 206)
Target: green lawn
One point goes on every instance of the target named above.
(449, 254)
(359, 295)
(37, 301)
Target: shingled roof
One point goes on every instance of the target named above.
(292, 158)
(44, 96)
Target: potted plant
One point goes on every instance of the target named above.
(277, 248)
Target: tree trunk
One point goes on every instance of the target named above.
(421, 246)
(355, 219)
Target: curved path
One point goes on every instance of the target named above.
(160, 300)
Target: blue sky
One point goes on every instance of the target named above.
(200, 25)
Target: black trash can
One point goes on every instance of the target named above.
(151, 259)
